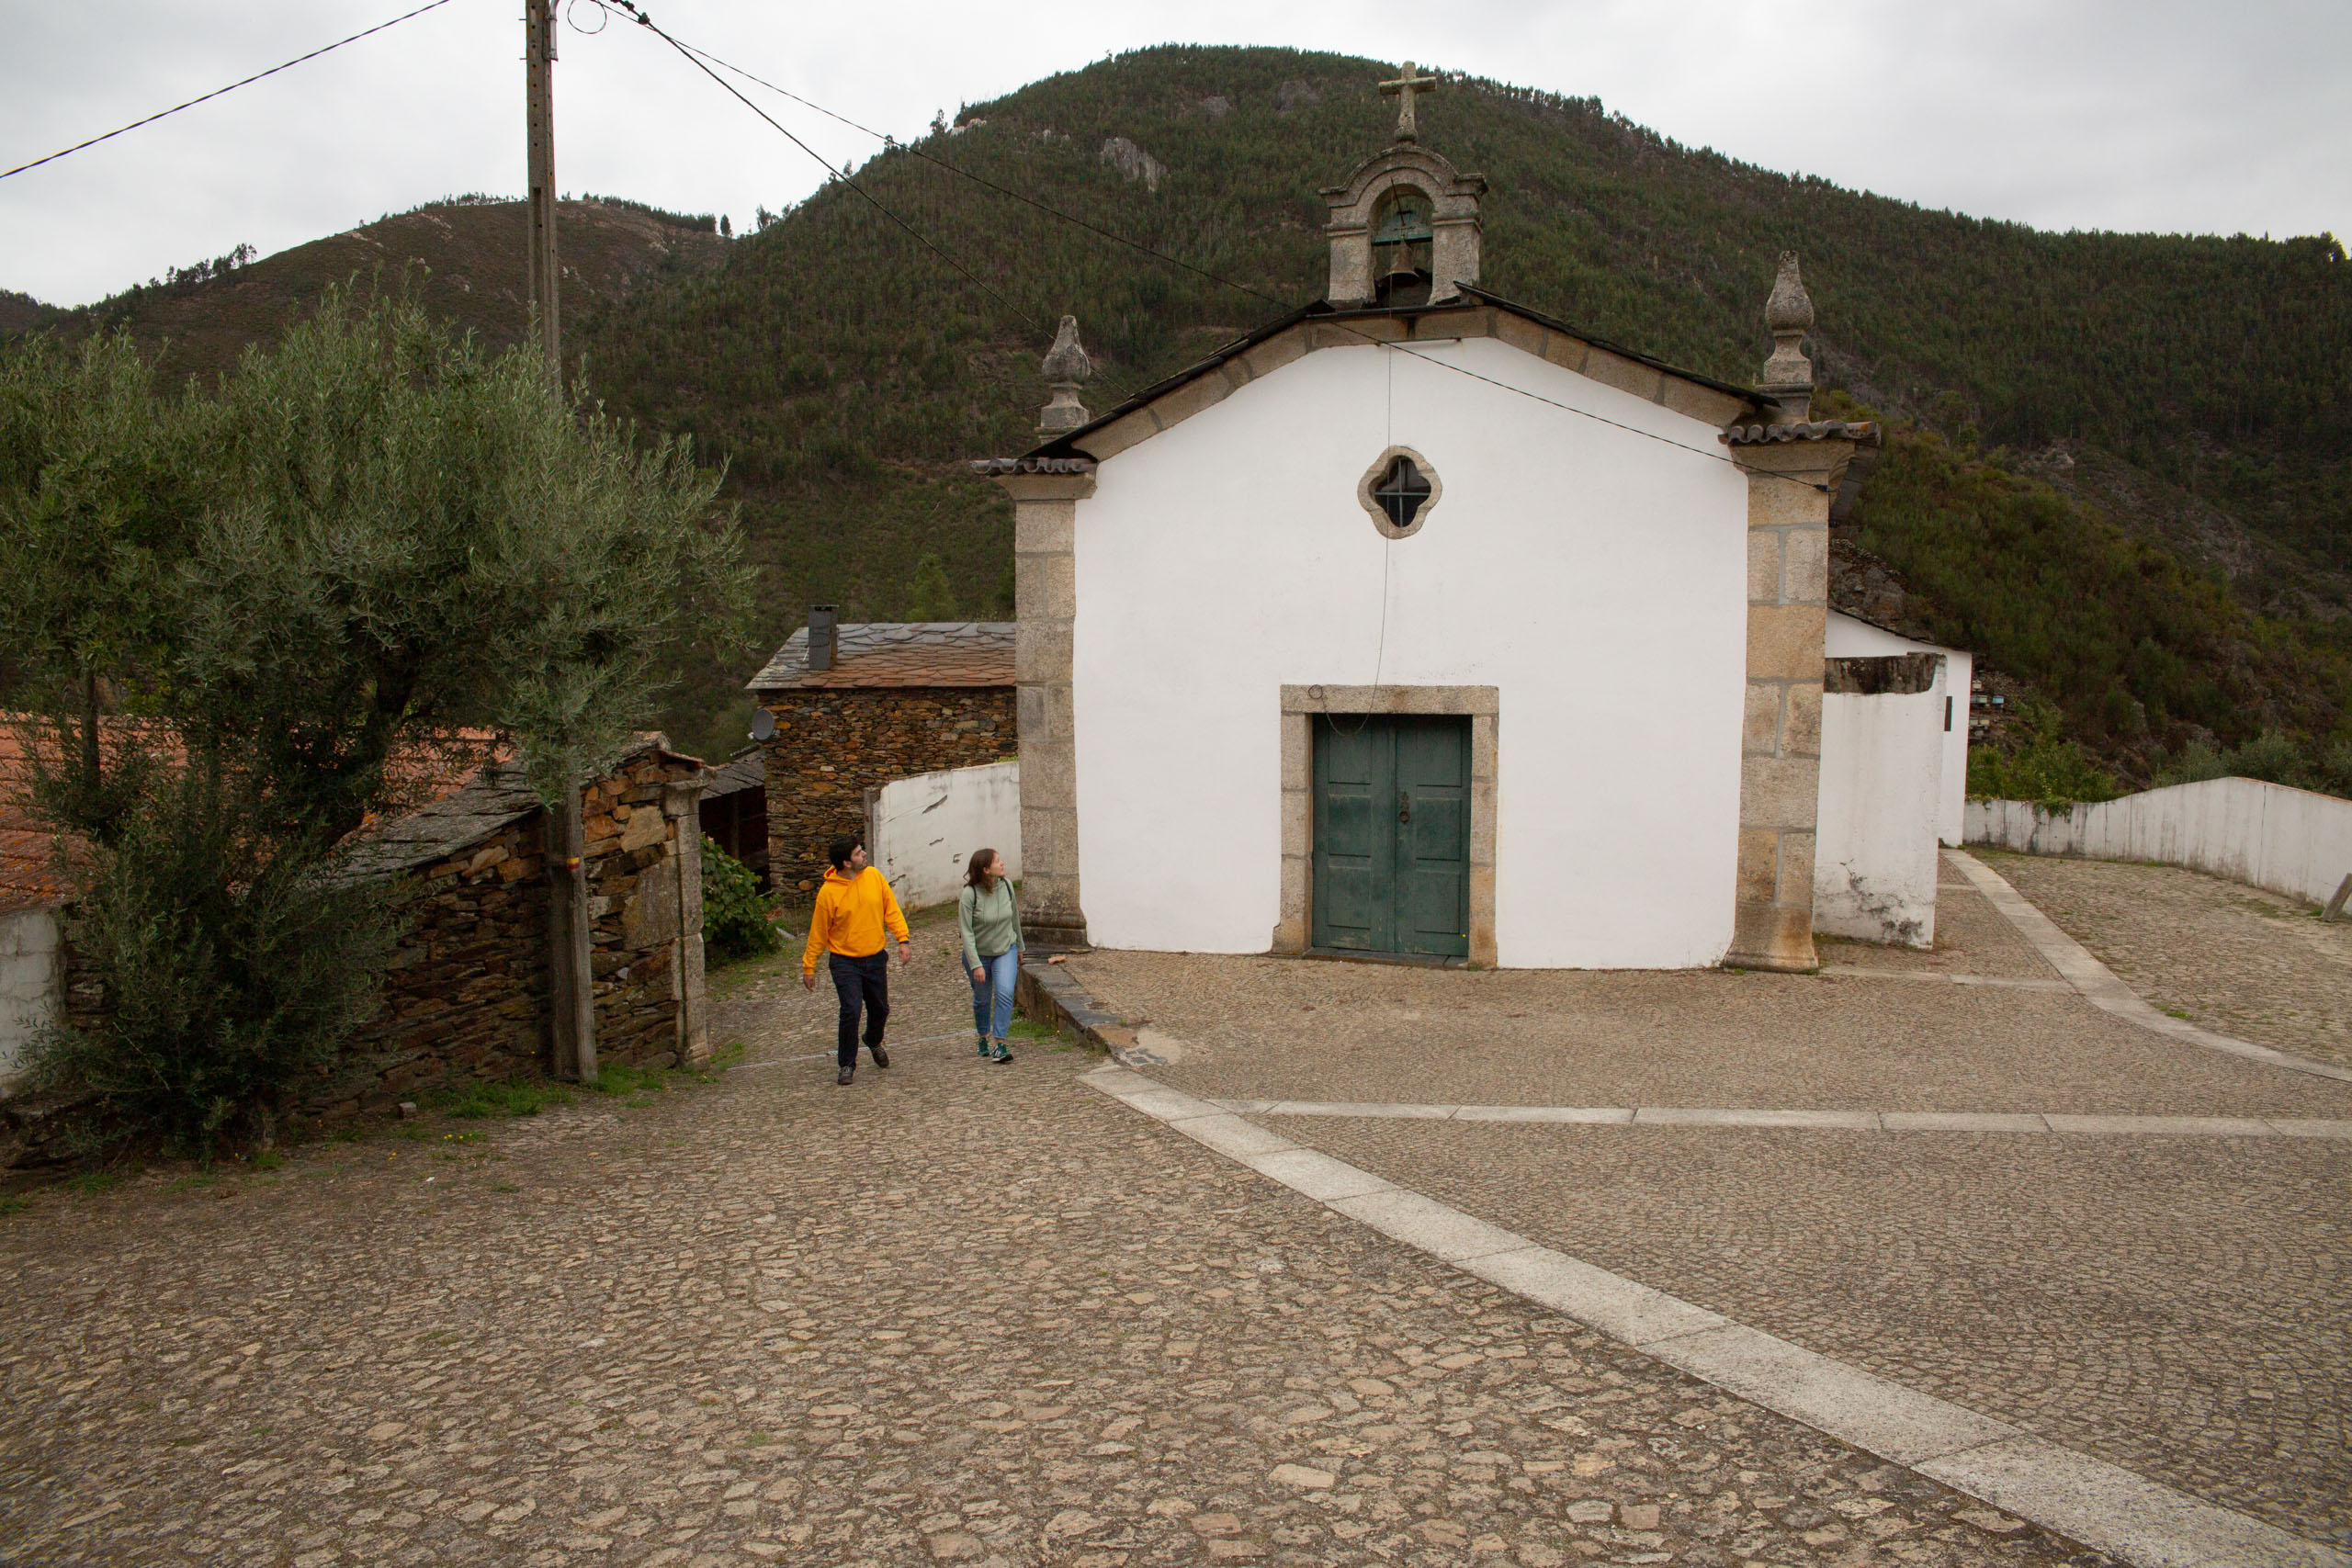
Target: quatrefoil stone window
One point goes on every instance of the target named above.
(1400, 491)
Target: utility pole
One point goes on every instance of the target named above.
(539, 54)
(571, 998)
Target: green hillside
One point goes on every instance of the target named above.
(2117, 467)
(463, 258)
(844, 371)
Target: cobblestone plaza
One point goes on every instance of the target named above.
(960, 1312)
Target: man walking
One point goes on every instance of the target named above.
(852, 907)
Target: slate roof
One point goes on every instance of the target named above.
(30, 873)
(748, 769)
(898, 653)
(492, 800)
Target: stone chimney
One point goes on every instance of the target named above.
(823, 624)
(1788, 375)
(1067, 368)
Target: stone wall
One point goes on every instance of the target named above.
(466, 993)
(831, 743)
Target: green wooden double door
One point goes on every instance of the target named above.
(1392, 835)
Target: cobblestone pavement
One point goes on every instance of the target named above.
(2232, 958)
(1300, 1029)
(954, 1314)
(2179, 1306)
(1971, 938)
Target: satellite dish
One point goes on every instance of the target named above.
(762, 725)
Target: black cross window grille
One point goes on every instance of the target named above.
(1402, 491)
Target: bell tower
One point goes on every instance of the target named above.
(1404, 230)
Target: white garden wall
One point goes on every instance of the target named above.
(2290, 840)
(1848, 636)
(922, 830)
(1595, 577)
(31, 979)
(1874, 864)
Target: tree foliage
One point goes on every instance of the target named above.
(734, 917)
(370, 536)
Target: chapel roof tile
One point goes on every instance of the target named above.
(1070, 446)
(1811, 430)
(898, 653)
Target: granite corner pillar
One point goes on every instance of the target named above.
(1789, 488)
(1044, 529)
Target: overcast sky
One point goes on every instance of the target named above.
(2146, 115)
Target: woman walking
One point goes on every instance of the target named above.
(991, 928)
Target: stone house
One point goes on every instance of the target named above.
(465, 996)
(859, 704)
(1493, 641)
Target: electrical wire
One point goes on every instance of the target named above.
(1051, 211)
(93, 142)
(646, 21)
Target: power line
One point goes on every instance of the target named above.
(701, 56)
(646, 22)
(93, 142)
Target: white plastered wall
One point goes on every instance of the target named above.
(31, 979)
(922, 830)
(1594, 576)
(1875, 856)
(1846, 638)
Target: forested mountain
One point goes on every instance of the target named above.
(2117, 463)
(464, 258)
(845, 371)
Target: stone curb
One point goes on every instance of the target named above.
(2100, 987)
(2084, 1499)
(2026, 1122)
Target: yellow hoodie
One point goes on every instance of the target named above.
(850, 915)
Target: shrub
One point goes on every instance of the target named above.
(734, 917)
(231, 964)
(2044, 767)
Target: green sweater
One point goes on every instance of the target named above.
(990, 921)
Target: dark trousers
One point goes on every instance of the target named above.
(861, 982)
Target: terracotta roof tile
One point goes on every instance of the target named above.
(898, 653)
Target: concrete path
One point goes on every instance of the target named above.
(2099, 987)
(955, 1313)
(2046, 1122)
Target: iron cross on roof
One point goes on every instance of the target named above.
(1404, 88)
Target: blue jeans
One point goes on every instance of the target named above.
(992, 997)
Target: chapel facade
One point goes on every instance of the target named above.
(1421, 623)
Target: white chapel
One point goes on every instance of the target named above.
(1419, 623)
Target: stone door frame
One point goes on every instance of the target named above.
(1300, 705)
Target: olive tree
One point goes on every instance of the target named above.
(370, 534)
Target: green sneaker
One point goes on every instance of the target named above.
(983, 1045)
(1000, 1053)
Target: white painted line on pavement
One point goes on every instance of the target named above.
(2036, 1123)
(2100, 987)
(2084, 1499)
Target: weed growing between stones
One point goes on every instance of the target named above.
(482, 1099)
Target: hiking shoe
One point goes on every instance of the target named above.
(881, 1057)
(845, 1075)
(1000, 1055)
